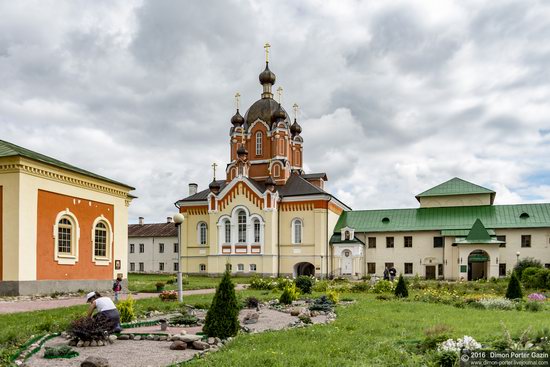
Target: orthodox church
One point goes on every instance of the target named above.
(268, 216)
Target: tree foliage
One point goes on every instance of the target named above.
(401, 288)
(514, 288)
(222, 318)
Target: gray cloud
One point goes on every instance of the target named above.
(394, 97)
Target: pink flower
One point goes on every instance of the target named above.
(536, 297)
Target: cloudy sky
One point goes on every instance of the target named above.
(395, 96)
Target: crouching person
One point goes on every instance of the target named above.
(105, 307)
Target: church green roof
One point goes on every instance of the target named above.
(11, 150)
(456, 186)
(446, 218)
(478, 232)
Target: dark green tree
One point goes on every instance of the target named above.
(401, 288)
(514, 288)
(527, 262)
(222, 318)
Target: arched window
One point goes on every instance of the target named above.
(256, 223)
(241, 226)
(276, 170)
(227, 230)
(202, 233)
(65, 236)
(202, 267)
(101, 239)
(297, 231)
(259, 143)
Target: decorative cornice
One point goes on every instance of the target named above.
(63, 178)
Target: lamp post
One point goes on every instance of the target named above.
(517, 257)
(178, 220)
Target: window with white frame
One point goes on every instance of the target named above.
(227, 231)
(202, 233)
(65, 236)
(240, 267)
(161, 248)
(141, 267)
(176, 248)
(132, 248)
(161, 266)
(141, 248)
(228, 267)
(256, 230)
(202, 267)
(101, 239)
(297, 226)
(252, 267)
(259, 143)
(132, 266)
(241, 226)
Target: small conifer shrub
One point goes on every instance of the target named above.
(222, 318)
(401, 288)
(514, 288)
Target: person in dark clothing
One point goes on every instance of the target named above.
(393, 273)
(386, 274)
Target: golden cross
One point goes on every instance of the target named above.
(214, 165)
(267, 46)
(237, 99)
(295, 107)
(279, 93)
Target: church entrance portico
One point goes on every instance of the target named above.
(478, 262)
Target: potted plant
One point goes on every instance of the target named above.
(160, 286)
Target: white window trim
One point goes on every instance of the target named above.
(103, 260)
(201, 268)
(62, 258)
(293, 234)
(253, 270)
(199, 234)
(259, 143)
(240, 267)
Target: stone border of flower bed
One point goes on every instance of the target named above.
(36, 343)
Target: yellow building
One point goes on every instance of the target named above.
(61, 228)
(267, 216)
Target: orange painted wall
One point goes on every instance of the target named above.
(49, 205)
(1, 235)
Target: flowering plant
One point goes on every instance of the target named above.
(536, 297)
(168, 295)
(467, 342)
(497, 304)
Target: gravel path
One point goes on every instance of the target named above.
(120, 354)
(13, 306)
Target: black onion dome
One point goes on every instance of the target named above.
(279, 114)
(237, 119)
(263, 109)
(295, 128)
(242, 150)
(269, 181)
(214, 185)
(267, 76)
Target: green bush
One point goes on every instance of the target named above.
(251, 302)
(222, 319)
(525, 263)
(534, 306)
(360, 287)
(290, 293)
(305, 283)
(305, 319)
(401, 290)
(262, 283)
(333, 296)
(321, 286)
(63, 351)
(126, 309)
(322, 303)
(514, 288)
(447, 359)
(383, 286)
(184, 319)
(536, 278)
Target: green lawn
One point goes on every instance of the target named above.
(147, 282)
(370, 332)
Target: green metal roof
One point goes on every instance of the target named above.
(445, 218)
(11, 150)
(478, 234)
(456, 186)
(337, 238)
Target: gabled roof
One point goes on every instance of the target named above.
(337, 238)
(313, 176)
(478, 234)
(446, 218)
(152, 230)
(8, 149)
(456, 186)
(203, 195)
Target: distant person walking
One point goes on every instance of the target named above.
(393, 273)
(104, 306)
(386, 274)
(117, 288)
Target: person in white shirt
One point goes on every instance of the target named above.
(104, 306)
